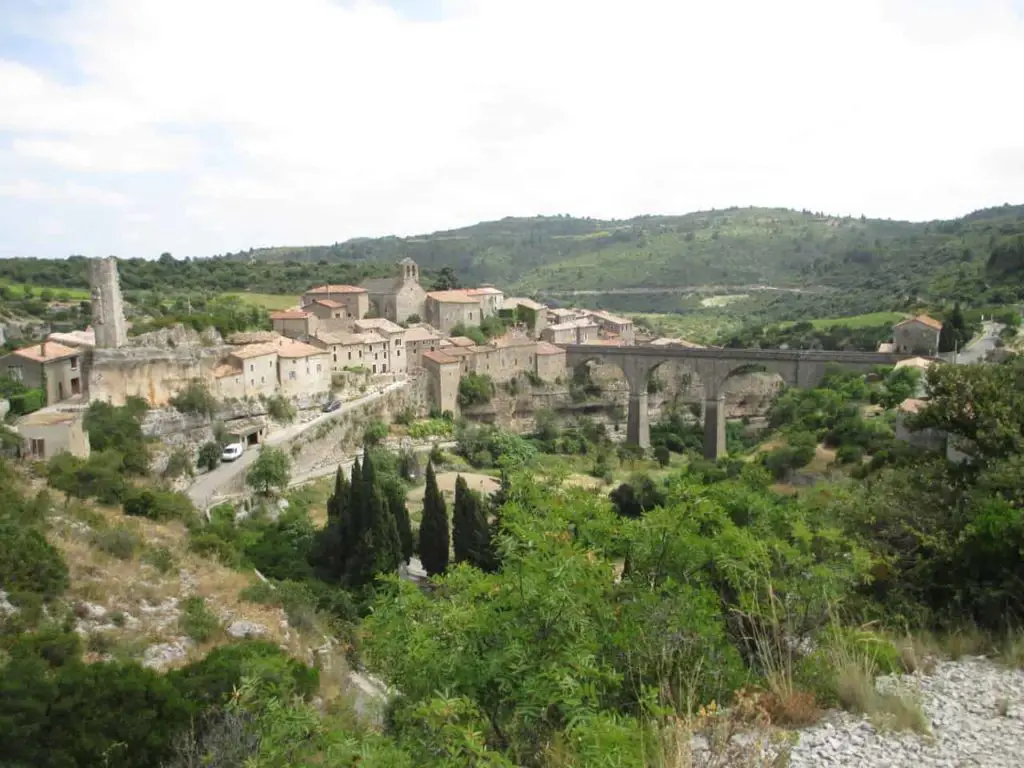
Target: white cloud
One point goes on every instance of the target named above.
(230, 123)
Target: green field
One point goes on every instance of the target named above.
(69, 294)
(869, 320)
(269, 301)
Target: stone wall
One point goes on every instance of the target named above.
(107, 305)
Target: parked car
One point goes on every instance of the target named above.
(232, 452)
(332, 406)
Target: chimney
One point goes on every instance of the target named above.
(42, 348)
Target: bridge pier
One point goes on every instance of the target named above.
(714, 426)
(638, 426)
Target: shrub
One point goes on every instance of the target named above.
(475, 389)
(157, 504)
(119, 542)
(375, 433)
(195, 398)
(663, 456)
(281, 409)
(406, 416)
(197, 621)
(209, 456)
(29, 563)
(430, 428)
(798, 452)
(849, 454)
(178, 464)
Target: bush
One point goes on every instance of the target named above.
(849, 454)
(157, 504)
(195, 398)
(662, 455)
(197, 621)
(475, 389)
(798, 452)
(178, 464)
(281, 409)
(29, 563)
(430, 428)
(160, 558)
(119, 542)
(375, 433)
(209, 456)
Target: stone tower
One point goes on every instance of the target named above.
(107, 306)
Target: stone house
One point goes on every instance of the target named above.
(295, 323)
(395, 358)
(419, 339)
(550, 362)
(400, 297)
(49, 432)
(614, 325)
(302, 369)
(50, 366)
(917, 335)
(526, 312)
(582, 331)
(250, 371)
(342, 302)
(447, 309)
(443, 380)
(79, 339)
(491, 299)
(345, 349)
(934, 440)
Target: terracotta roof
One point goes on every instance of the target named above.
(47, 418)
(255, 350)
(485, 290)
(912, 405)
(46, 352)
(886, 347)
(573, 324)
(610, 318)
(379, 324)
(419, 333)
(288, 348)
(452, 297)
(931, 322)
(328, 303)
(667, 342)
(544, 348)
(915, 362)
(459, 352)
(440, 358)
(86, 338)
(226, 369)
(461, 341)
(252, 337)
(289, 314)
(336, 289)
(512, 340)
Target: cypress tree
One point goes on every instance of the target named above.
(394, 493)
(378, 548)
(470, 537)
(434, 538)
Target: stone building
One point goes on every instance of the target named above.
(917, 335)
(581, 331)
(447, 309)
(419, 339)
(341, 302)
(550, 365)
(395, 358)
(49, 432)
(491, 299)
(302, 369)
(107, 305)
(250, 371)
(526, 312)
(614, 325)
(295, 323)
(443, 380)
(56, 369)
(400, 297)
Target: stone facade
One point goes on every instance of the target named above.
(52, 367)
(50, 432)
(107, 304)
(491, 299)
(419, 339)
(395, 357)
(447, 309)
(918, 335)
(295, 323)
(400, 297)
(303, 369)
(526, 312)
(443, 387)
(341, 302)
(581, 331)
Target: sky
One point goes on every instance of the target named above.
(135, 127)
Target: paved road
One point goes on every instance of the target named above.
(207, 486)
(975, 351)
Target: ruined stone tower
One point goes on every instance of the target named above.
(107, 306)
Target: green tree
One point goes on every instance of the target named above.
(471, 539)
(271, 471)
(394, 493)
(475, 389)
(379, 548)
(434, 541)
(445, 280)
(209, 456)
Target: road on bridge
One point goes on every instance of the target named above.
(976, 351)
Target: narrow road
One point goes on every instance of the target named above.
(976, 351)
(206, 487)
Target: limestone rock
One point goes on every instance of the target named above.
(162, 655)
(243, 629)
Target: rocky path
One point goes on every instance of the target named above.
(976, 711)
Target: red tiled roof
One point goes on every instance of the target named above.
(289, 314)
(328, 303)
(46, 352)
(336, 289)
(931, 322)
(440, 358)
(289, 348)
(912, 405)
(452, 297)
(544, 348)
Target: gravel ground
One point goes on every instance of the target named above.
(964, 701)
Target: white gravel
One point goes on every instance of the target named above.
(964, 702)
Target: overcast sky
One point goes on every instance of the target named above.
(132, 127)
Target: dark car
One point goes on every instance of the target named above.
(332, 406)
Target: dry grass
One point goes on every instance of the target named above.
(717, 739)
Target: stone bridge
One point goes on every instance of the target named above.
(798, 368)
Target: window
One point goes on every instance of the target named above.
(291, 375)
(374, 367)
(270, 363)
(398, 353)
(16, 372)
(318, 368)
(37, 447)
(74, 363)
(336, 356)
(349, 355)
(252, 367)
(252, 382)
(263, 379)
(383, 369)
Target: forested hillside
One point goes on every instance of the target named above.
(852, 264)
